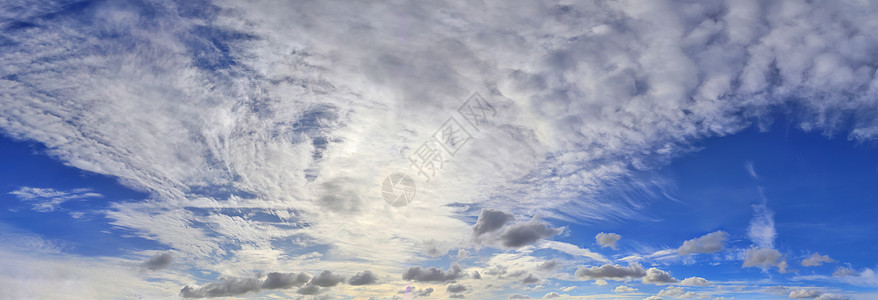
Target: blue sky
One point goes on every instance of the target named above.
(461, 149)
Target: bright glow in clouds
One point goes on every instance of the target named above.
(195, 149)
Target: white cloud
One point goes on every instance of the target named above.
(624, 289)
(761, 230)
(816, 259)
(607, 239)
(709, 243)
(695, 281)
(48, 199)
(322, 97)
(764, 258)
(805, 293)
(676, 292)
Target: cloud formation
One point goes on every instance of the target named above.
(433, 274)
(607, 239)
(158, 261)
(709, 243)
(816, 259)
(363, 278)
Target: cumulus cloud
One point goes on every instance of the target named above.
(548, 265)
(676, 292)
(519, 296)
(226, 287)
(233, 286)
(764, 258)
(843, 271)
(456, 288)
(709, 243)
(830, 296)
(526, 233)
(624, 289)
(611, 271)
(327, 279)
(363, 278)
(656, 276)
(158, 261)
(433, 274)
(607, 239)
(816, 259)
(490, 220)
(530, 279)
(551, 295)
(695, 281)
(804, 293)
(653, 298)
(275, 280)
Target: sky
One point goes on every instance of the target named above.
(439, 149)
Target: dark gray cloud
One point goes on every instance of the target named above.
(548, 266)
(476, 275)
(610, 271)
(490, 220)
(526, 233)
(234, 286)
(709, 243)
(224, 288)
(433, 274)
(520, 296)
(457, 296)
(158, 261)
(276, 280)
(424, 292)
(327, 279)
(363, 278)
(530, 279)
(495, 270)
(309, 289)
(339, 195)
(456, 288)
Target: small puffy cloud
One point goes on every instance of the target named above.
(456, 288)
(530, 279)
(624, 289)
(764, 258)
(551, 295)
(490, 220)
(363, 278)
(709, 243)
(816, 259)
(653, 298)
(227, 287)
(600, 282)
(417, 292)
(433, 274)
(832, 297)
(158, 262)
(695, 281)
(842, 272)
(327, 279)
(805, 293)
(276, 280)
(611, 271)
(656, 276)
(676, 292)
(456, 296)
(520, 296)
(526, 233)
(234, 286)
(607, 239)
